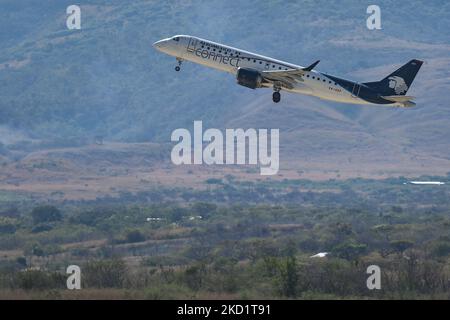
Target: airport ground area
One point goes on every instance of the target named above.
(232, 240)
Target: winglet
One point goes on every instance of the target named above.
(311, 66)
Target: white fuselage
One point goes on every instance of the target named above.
(229, 59)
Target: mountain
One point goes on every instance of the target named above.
(106, 79)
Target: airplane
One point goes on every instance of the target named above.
(432, 183)
(256, 71)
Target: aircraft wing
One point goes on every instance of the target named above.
(287, 78)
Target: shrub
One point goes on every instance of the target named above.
(441, 248)
(39, 280)
(105, 273)
(194, 276)
(22, 261)
(214, 181)
(41, 228)
(92, 217)
(134, 236)
(8, 225)
(44, 214)
(350, 250)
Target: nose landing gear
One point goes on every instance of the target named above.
(178, 67)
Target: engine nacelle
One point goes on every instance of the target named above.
(249, 78)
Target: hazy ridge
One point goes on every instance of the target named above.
(70, 86)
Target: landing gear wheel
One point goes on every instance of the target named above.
(178, 67)
(276, 97)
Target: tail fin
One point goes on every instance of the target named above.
(398, 82)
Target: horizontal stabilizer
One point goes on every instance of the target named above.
(398, 98)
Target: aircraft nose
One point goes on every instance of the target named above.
(157, 44)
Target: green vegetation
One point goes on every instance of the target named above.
(206, 250)
(45, 214)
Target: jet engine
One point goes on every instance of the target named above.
(249, 78)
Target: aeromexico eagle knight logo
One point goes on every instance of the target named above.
(398, 84)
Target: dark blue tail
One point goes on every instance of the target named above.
(398, 82)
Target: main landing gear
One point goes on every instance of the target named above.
(178, 67)
(276, 96)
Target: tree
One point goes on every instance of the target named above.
(194, 276)
(133, 236)
(288, 277)
(22, 261)
(37, 251)
(92, 217)
(350, 250)
(44, 214)
(401, 245)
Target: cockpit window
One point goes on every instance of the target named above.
(176, 39)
